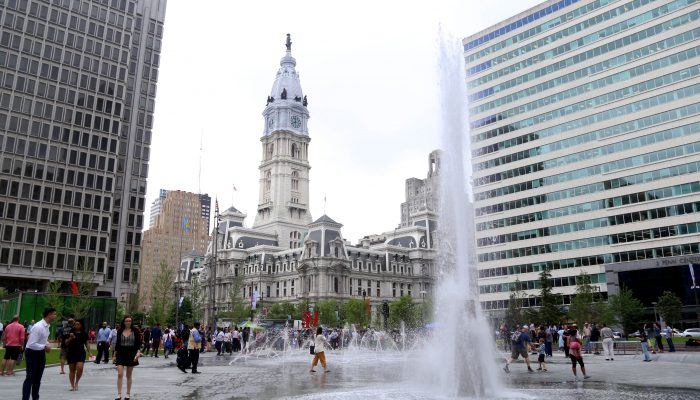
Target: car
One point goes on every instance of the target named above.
(617, 334)
(691, 332)
(635, 334)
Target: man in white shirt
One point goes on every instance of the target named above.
(37, 347)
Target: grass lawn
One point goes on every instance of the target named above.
(51, 358)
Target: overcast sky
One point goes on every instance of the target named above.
(369, 69)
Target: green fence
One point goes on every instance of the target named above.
(30, 306)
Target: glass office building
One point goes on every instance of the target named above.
(585, 137)
(77, 92)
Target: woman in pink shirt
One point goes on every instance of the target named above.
(14, 339)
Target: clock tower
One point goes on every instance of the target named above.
(283, 206)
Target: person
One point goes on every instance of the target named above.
(520, 342)
(219, 341)
(576, 356)
(146, 341)
(542, 350)
(113, 336)
(245, 335)
(320, 345)
(548, 340)
(13, 339)
(669, 339)
(194, 345)
(595, 337)
(168, 339)
(35, 354)
(156, 336)
(126, 354)
(645, 344)
(658, 343)
(608, 342)
(65, 334)
(103, 343)
(227, 341)
(562, 341)
(2, 329)
(236, 339)
(587, 338)
(77, 346)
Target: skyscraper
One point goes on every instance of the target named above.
(585, 117)
(76, 113)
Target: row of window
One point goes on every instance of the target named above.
(652, 157)
(588, 70)
(633, 198)
(47, 216)
(56, 195)
(613, 148)
(49, 260)
(521, 22)
(595, 241)
(534, 301)
(600, 259)
(608, 97)
(613, 29)
(42, 237)
(535, 284)
(583, 57)
(61, 155)
(620, 219)
(635, 125)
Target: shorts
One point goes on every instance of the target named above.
(517, 350)
(540, 358)
(575, 360)
(12, 353)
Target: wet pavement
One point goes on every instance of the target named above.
(367, 374)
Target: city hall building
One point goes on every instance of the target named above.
(585, 132)
(289, 256)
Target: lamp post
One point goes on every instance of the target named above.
(656, 319)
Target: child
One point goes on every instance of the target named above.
(541, 350)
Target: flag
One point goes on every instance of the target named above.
(185, 224)
(179, 303)
(692, 275)
(234, 188)
(74, 288)
(216, 206)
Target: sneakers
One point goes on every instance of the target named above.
(505, 368)
(586, 376)
(530, 369)
(611, 359)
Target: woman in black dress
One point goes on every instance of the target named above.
(126, 354)
(78, 346)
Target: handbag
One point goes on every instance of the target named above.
(311, 349)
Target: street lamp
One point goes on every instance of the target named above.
(656, 319)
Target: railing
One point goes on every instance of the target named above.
(620, 347)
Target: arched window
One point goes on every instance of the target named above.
(295, 180)
(270, 150)
(294, 237)
(335, 284)
(295, 150)
(268, 181)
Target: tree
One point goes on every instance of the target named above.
(549, 311)
(82, 302)
(583, 306)
(355, 312)
(514, 313)
(626, 310)
(283, 310)
(669, 307)
(329, 312)
(3, 292)
(196, 301)
(404, 309)
(162, 294)
(236, 302)
(55, 299)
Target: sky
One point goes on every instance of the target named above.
(369, 69)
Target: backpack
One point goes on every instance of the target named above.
(515, 338)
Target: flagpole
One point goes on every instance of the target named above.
(177, 279)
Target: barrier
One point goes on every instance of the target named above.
(622, 347)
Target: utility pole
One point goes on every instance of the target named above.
(212, 268)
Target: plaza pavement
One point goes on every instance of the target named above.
(275, 378)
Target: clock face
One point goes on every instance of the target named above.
(270, 122)
(296, 121)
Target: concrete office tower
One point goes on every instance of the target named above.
(179, 230)
(76, 113)
(204, 200)
(585, 128)
(422, 195)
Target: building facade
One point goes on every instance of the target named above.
(204, 200)
(179, 230)
(585, 122)
(288, 256)
(76, 113)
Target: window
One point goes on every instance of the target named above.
(295, 180)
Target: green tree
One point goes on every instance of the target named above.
(55, 298)
(82, 302)
(3, 292)
(584, 306)
(196, 301)
(355, 312)
(299, 309)
(329, 312)
(626, 310)
(162, 294)
(404, 309)
(549, 311)
(516, 301)
(281, 310)
(236, 302)
(669, 307)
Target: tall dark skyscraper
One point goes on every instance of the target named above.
(77, 94)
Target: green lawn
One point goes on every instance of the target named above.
(51, 358)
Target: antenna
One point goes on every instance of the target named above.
(324, 204)
(199, 177)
